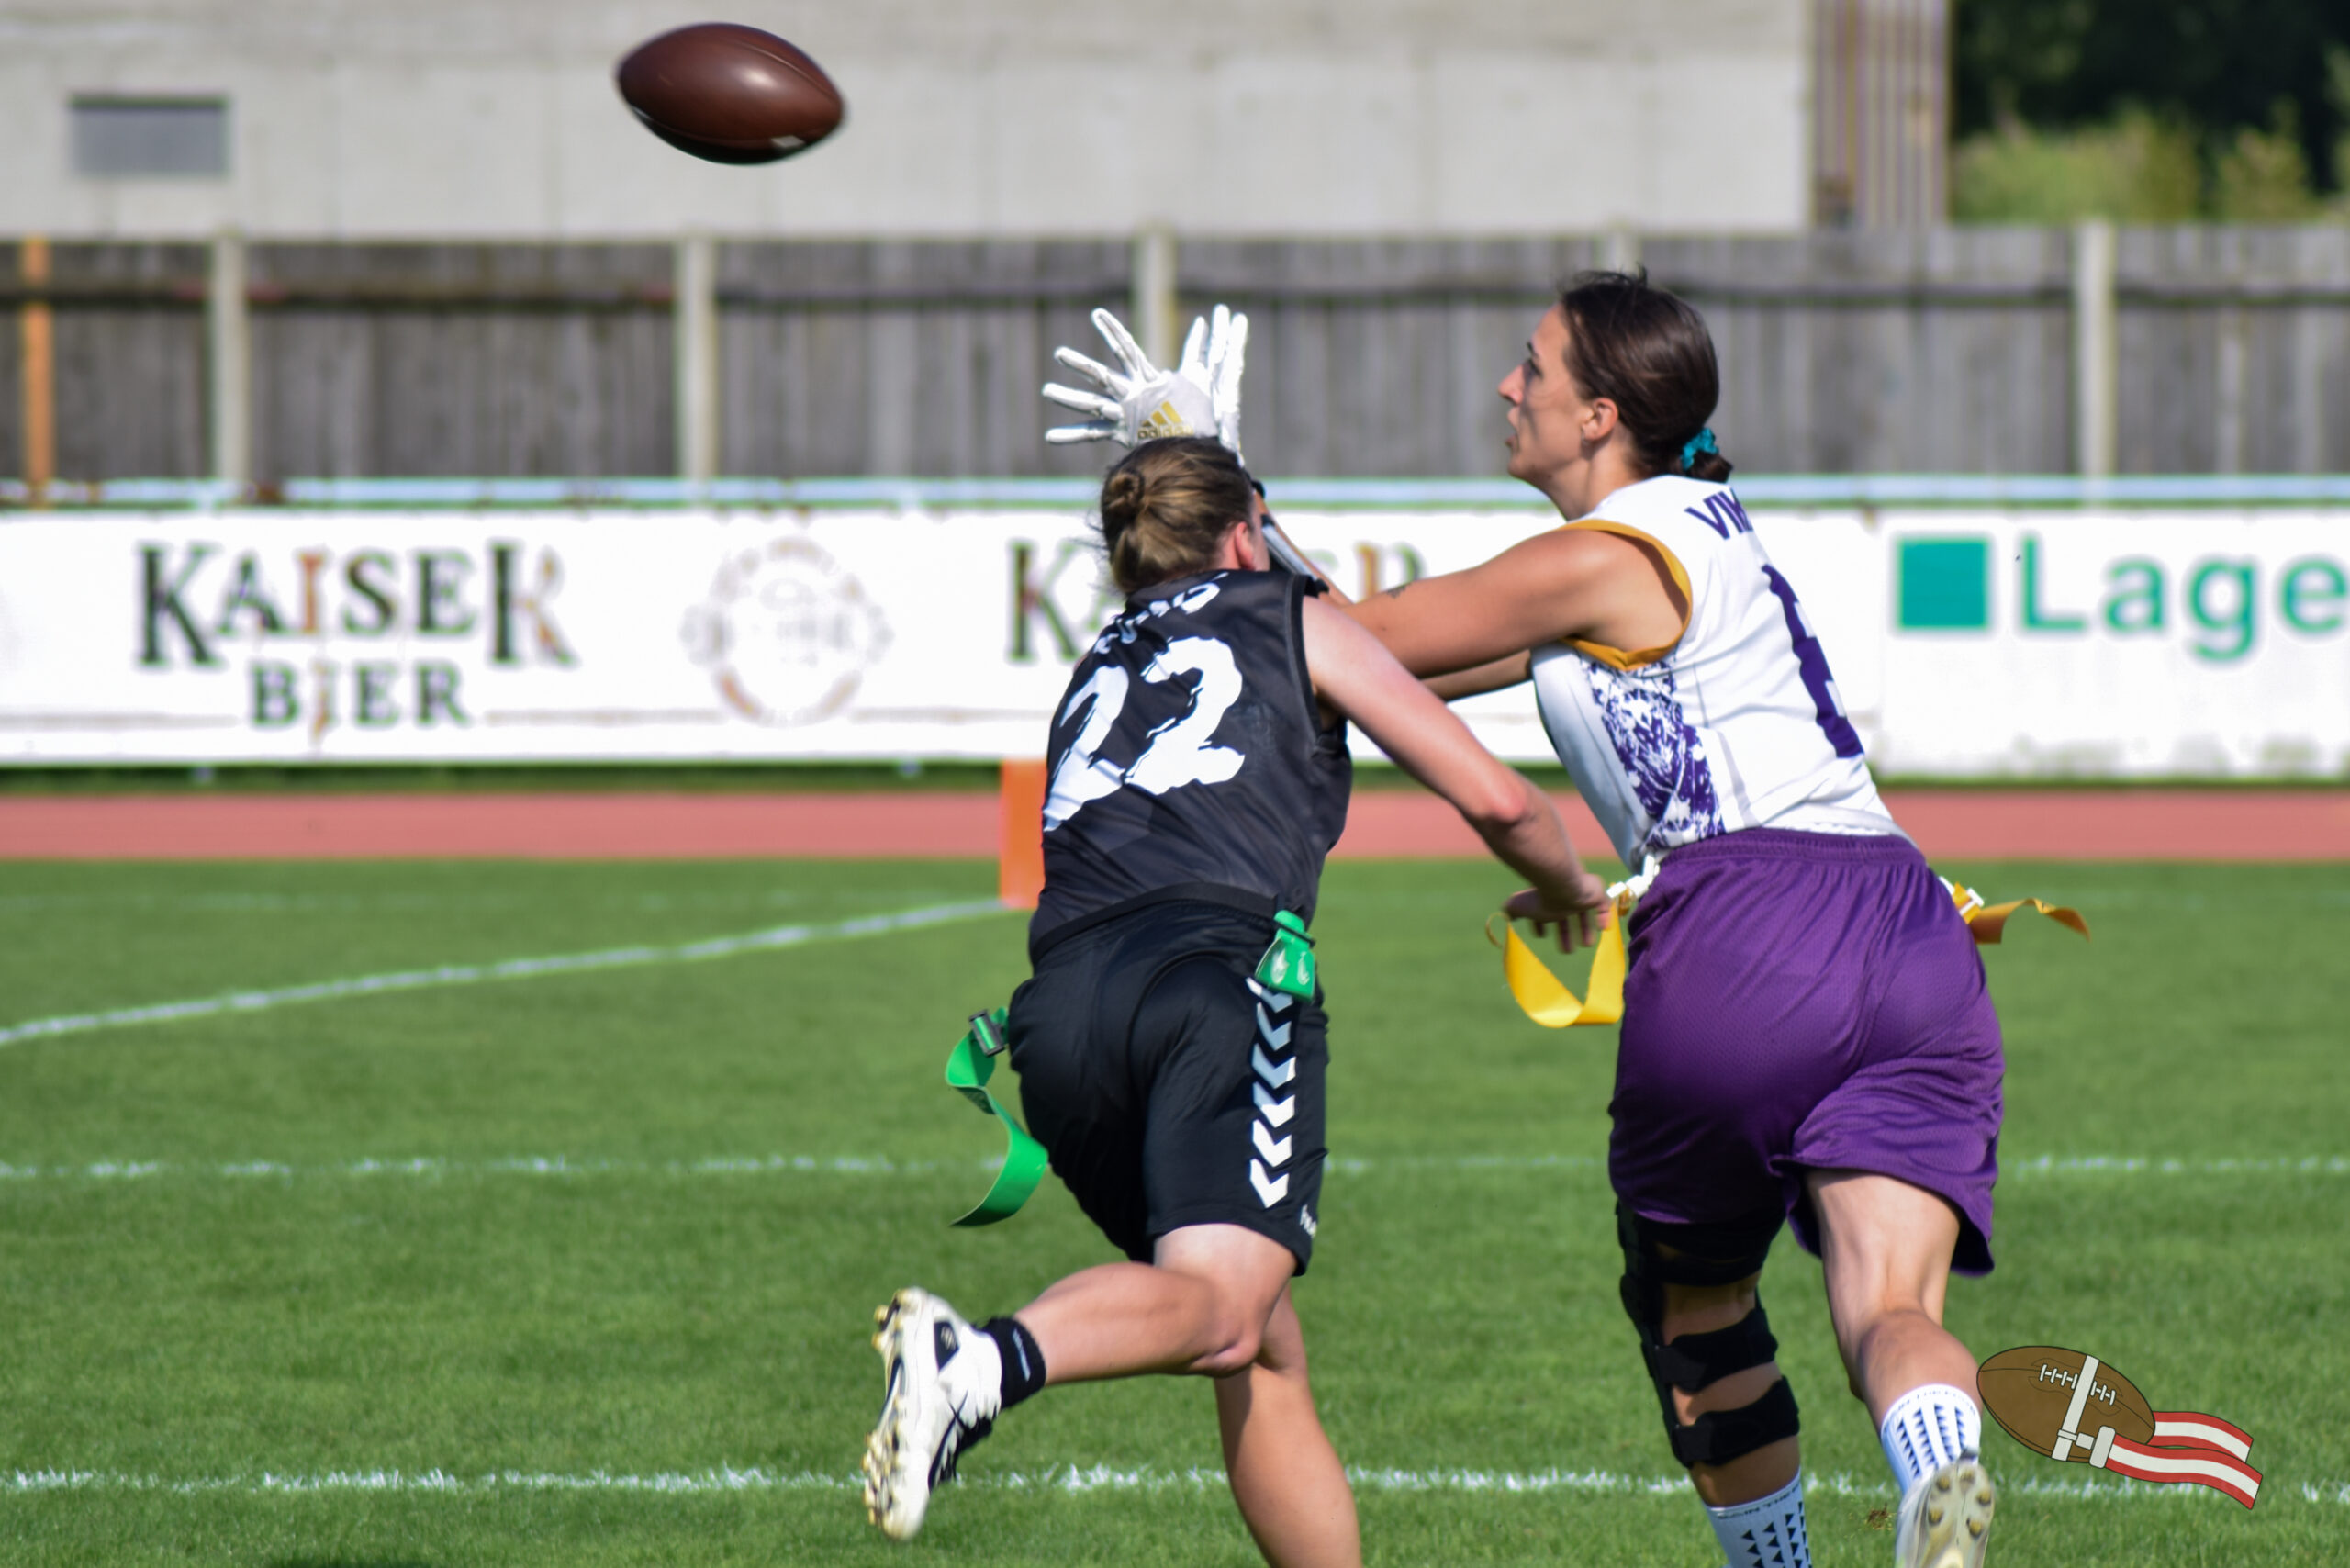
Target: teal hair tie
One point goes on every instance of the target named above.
(1698, 445)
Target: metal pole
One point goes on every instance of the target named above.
(1935, 131)
(2235, 353)
(37, 374)
(1152, 308)
(696, 329)
(2096, 350)
(1619, 250)
(228, 340)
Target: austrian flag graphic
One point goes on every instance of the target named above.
(2074, 1408)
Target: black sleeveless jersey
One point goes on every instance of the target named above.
(1188, 754)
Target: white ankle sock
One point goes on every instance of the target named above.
(1767, 1532)
(1927, 1428)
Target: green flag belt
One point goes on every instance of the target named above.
(1288, 966)
(968, 1067)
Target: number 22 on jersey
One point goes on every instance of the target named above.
(1177, 750)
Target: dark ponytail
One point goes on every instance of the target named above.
(1647, 351)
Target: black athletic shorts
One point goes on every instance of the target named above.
(1169, 1087)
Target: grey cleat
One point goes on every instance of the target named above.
(1946, 1518)
(946, 1387)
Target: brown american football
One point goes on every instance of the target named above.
(2028, 1389)
(729, 94)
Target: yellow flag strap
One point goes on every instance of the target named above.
(1545, 998)
(1987, 922)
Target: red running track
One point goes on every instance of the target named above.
(2023, 824)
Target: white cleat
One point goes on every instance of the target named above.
(1946, 1518)
(945, 1386)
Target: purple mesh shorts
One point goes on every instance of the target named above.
(1796, 1002)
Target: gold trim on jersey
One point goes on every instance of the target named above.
(1617, 658)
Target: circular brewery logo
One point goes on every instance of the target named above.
(786, 633)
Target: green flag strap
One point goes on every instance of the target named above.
(1288, 964)
(968, 1067)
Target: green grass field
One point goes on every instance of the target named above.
(576, 1267)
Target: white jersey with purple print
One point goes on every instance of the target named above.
(1735, 724)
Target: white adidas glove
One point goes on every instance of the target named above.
(1200, 397)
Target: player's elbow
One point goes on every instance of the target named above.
(1498, 804)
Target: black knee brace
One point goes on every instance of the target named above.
(1658, 1255)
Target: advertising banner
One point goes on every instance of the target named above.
(2166, 642)
(2011, 644)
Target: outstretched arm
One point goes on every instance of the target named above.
(1571, 583)
(1360, 679)
(1482, 678)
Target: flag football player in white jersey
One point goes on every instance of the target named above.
(1806, 1034)
(1199, 775)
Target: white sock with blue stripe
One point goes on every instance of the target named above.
(1766, 1533)
(1927, 1428)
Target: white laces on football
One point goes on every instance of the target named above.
(1200, 397)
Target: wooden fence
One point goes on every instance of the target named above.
(2182, 350)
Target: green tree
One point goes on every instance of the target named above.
(2217, 68)
(2134, 169)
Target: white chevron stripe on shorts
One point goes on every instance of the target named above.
(1273, 1150)
(1270, 1191)
(1274, 1073)
(1278, 1001)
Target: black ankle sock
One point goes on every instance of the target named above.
(1024, 1363)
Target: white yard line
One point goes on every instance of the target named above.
(431, 1168)
(2103, 1164)
(446, 974)
(1058, 1478)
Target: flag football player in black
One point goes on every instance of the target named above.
(1199, 775)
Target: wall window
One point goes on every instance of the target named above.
(146, 137)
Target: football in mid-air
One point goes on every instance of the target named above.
(729, 94)
(2029, 1391)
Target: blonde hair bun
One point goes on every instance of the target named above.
(1123, 494)
(1167, 507)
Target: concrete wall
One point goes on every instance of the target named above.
(973, 117)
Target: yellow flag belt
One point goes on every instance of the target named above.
(1545, 998)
